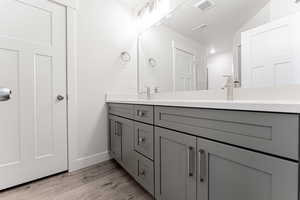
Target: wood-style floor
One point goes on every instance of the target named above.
(106, 181)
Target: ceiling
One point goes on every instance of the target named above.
(133, 4)
(223, 20)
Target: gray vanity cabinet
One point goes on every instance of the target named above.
(122, 143)
(205, 154)
(230, 173)
(175, 165)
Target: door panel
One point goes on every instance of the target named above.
(175, 172)
(230, 173)
(9, 129)
(33, 133)
(43, 106)
(268, 61)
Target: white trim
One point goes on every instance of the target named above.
(72, 74)
(75, 163)
(68, 3)
(89, 160)
(139, 88)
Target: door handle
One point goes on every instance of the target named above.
(5, 94)
(202, 165)
(191, 161)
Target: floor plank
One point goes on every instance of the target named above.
(105, 181)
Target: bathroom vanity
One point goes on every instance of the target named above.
(200, 153)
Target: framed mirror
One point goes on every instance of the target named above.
(200, 43)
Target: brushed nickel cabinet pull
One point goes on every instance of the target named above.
(191, 161)
(202, 165)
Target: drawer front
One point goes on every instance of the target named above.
(145, 173)
(272, 133)
(143, 114)
(143, 136)
(122, 110)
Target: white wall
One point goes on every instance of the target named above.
(281, 8)
(105, 29)
(219, 65)
(157, 43)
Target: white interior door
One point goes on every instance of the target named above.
(184, 70)
(270, 54)
(33, 134)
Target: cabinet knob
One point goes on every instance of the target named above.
(142, 140)
(143, 173)
(141, 113)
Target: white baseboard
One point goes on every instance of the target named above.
(88, 161)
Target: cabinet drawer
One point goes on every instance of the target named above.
(122, 110)
(272, 133)
(143, 136)
(145, 173)
(143, 113)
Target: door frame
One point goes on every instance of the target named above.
(72, 7)
(182, 47)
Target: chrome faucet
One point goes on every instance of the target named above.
(147, 92)
(229, 87)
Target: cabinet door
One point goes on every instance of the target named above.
(230, 173)
(126, 128)
(175, 165)
(115, 140)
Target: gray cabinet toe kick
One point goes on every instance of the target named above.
(178, 153)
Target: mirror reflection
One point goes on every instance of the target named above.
(208, 44)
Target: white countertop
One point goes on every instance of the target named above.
(262, 106)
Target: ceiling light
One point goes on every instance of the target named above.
(212, 51)
(202, 26)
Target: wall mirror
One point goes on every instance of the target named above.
(199, 43)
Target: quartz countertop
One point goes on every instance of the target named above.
(260, 106)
